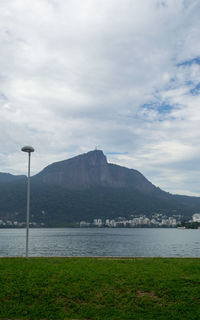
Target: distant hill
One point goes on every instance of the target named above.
(7, 177)
(92, 170)
(86, 187)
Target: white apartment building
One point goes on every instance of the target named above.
(196, 217)
(98, 222)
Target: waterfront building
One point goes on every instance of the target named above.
(84, 224)
(98, 222)
(196, 217)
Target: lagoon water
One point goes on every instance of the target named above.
(101, 242)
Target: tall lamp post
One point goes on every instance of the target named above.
(28, 149)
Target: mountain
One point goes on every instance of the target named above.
(92, 170)
(87, 187)
(7, 177)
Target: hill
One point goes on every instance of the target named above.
(7, 177)
(87, 187)
(92, 170)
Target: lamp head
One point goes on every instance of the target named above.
(27, 149)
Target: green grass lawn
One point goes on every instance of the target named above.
(97, 288)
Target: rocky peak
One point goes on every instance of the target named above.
(79, 172)
(91, 169)
(94, 158)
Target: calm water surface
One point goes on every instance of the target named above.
(101, 242)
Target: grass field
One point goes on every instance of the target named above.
(97, 288)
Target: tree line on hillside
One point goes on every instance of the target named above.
(55, 205)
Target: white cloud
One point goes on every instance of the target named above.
(76, 74)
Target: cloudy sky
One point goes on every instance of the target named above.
(123, 75)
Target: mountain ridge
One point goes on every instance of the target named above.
(91, 170)
(87, 187)
(8, 177)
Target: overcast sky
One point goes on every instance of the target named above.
(123, 75)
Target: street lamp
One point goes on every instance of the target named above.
(28, 149)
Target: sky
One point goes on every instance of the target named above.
(122, 76)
